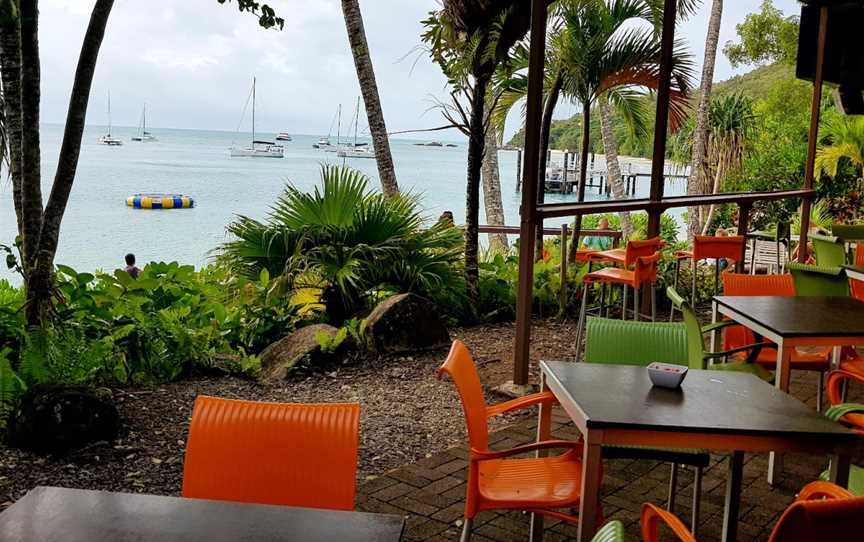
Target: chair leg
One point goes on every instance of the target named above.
(673, 488)
(602, 300)
(819, 391)
(653, 302)
(716, 276)
(697, 501)
(466, 530)
(624, 302)
(675, 285)
(582, 311)
(694, 268)
(636, 304)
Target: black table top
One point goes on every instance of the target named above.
(855, 268)
(801, 316)
(709, 402)
(49, 514)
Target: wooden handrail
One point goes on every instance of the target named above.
(514, 230)
(558, 210)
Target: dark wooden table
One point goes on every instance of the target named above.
(48, 514)
(714, 410)
(854, 272)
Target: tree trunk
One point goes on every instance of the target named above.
(492, 191)
(711, 209)
(10, 74)
(613, 168)
(583, 177)
(476, 144)
(40, 283)
(31, 172)
(698, 183)
(545, 131)
(369, 88)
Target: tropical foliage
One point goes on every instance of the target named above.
(345, 245)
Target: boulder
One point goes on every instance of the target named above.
(58, 418)
(300, 347)
(406, 323)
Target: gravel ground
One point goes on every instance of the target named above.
(406, 414)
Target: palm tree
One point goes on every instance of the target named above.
(846, 146)
(491, 175)
(699, 182)
(347, 243)
(369, 89)
(731, 123)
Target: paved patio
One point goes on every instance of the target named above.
(430, 493)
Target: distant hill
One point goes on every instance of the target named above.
(756, 84)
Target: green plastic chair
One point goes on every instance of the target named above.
(817, 280)
(610, 532)
(628, 342)
(830, 251)
(716, 361)
(856, 473)
(849, 234)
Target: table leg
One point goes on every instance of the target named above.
(840, 465)
(733, 497)
(544, 431)
(715, 335)
(589, 503)
(782, 375)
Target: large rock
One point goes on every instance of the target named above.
(406, 323)
(300, 347)
(55, 418)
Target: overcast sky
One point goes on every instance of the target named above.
(193, 61)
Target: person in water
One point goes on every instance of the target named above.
(131, 268)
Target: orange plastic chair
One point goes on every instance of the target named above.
(822, 511)
(272, 453)
(856, 287)
(708, 247)
(734, 284)
(644, 272)
(837, 380)
(628, 256)
(859, 254)
(496, 483)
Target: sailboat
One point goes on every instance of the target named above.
(258, 149)
(143, 135)
(324, 142)
(356, 150)
(108, 139)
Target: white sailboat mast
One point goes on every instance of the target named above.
(253, 110)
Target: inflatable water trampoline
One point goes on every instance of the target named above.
(160, 201)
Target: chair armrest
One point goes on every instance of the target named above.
(823, 490)
(542, 398)
(708, 328)
(834, 384)
(746, 348)
(836, 412)
(611, 532)
(479, 455)
(651, 517)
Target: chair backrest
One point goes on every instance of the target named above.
(695, 339)
(818, 519)
(627, 342)
(752, 285)
(847, 232)
(711, 247)
(460, 366)
(859, 254)
(646, 269)
(829, 251)
(813, 280)
(640, 248)
(272, 453)
(737, 284)
(856, 288)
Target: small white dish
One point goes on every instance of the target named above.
(667, 375)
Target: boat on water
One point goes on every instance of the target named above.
(108, 139)
(429, 144)
(356, 150)
(257, 148)
(324, 143)
(283, 136)
(143, 135)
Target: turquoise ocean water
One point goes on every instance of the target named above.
(99, 229)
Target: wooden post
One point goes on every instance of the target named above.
(518, 169)
(667, 44)
(743, 226)
(813, 138)
(528, 212)
(563, 294)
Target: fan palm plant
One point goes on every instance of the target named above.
(846, 145)
(346, 242)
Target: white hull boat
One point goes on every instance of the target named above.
(257, 149)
